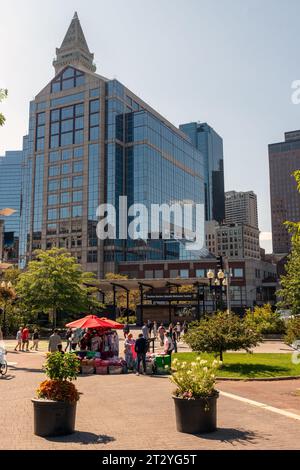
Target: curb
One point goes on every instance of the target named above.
(258, 379)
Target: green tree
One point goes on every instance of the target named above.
(221, 332)
(292, 330)
(290, 282)
(54, 282)
(3, 95)
(264, 320)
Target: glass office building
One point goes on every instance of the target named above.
(90, 141)
(10, 192)
(210, 144)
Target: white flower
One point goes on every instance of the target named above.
(205, 369)
(193, 364)
(202, 362)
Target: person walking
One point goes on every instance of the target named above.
(68, 338)
(25, 339)
(155, 330)
(178, 331)
(75, 338)
(54, 341)
(140, 348)
(174, 340)
(161, 334)
(145, 331)
(35, 340)
(126, 330)
(19, 339)
(168, 343)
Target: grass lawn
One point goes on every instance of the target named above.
(250, 366)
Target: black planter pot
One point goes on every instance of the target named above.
(196, 416)
(53, 418)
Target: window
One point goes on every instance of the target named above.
(238, 272)
(200, 272)
(65, 198)
(184, 273)
(52, 199)
(70, 78)
(53, 185)
(77, 196)
(149, 274)
(40, 131)
(77, 211)
(54, 170)
(77, 181)
(66, 126)
(64, 212)
(78, 166)
(78, 152)
(52, 214)
(66, 169)
(53, 157)
(95, 93)
(92, 257)
(94, 120)
(66, 154)
(65, 183)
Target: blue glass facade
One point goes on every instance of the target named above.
(210, 144)
(10, 192)
(90, 141)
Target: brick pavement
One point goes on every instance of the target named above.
(129, 412)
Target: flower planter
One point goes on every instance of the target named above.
(197, 416)
(53, 418)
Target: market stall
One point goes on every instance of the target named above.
(98, 345)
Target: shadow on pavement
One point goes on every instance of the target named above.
(26, 369)
(231, 435)
(84, 438)
(7, 377)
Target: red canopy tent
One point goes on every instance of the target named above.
(113, 324)
(90, 321)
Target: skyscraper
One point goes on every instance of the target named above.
(90, 141)
(10, 193)
(241, 208)
(210, 144)
(284, 159)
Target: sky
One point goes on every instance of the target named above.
(230, 63)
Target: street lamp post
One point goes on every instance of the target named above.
(217, 283)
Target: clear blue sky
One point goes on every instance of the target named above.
(230, 63)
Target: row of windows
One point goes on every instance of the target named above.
(65, 183)
(66, 154)
(66, 168)
(65, 198)
(64, 212)
(185, 273)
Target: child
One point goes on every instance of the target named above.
(19, 339)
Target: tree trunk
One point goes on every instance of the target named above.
(221, 355)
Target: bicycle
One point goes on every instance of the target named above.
(3, 362)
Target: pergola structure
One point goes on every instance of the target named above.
(161, 287)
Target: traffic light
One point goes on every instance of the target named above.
(220, 262)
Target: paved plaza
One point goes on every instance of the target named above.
(130, 412)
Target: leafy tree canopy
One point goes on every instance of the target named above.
(3, 95)
(221, 332)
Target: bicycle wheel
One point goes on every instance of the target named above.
(3, 368)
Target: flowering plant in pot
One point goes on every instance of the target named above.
(195, 396)
(55, 405)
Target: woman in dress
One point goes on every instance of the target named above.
(129, 348)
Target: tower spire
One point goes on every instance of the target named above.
(74, 49)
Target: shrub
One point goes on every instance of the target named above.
(220, 332)
(265, 320)
(194, 380)
(61, 369)
(292, 330)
